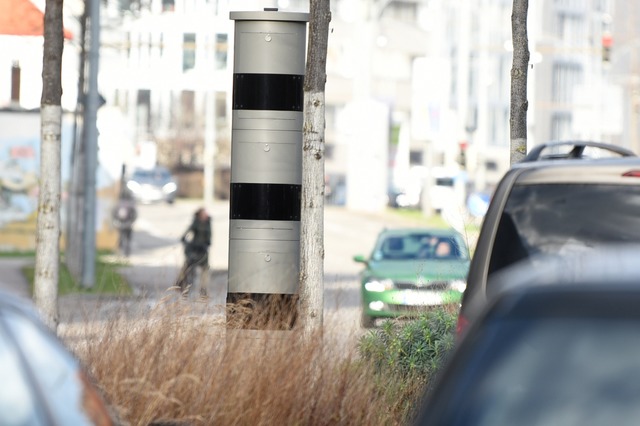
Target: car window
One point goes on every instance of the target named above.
(553, 371)
(564, 218)
(161, 174)
(420, 246)
(157, 174)
(444, 181)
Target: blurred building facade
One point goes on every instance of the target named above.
(623, 68)
(435, 73)
(444, 68)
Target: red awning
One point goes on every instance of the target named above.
(22, 18)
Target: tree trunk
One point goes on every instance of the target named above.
(48, 228)
(312, 215)
(519, 103)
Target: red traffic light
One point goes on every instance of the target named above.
(607, 42)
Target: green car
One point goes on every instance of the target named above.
(411, 270)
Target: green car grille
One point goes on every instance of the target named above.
(433, 285)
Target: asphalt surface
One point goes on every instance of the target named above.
(156, 258)
(12, 277)
(151, 271)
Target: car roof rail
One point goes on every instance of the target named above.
(577, 152)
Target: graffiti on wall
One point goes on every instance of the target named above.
(19, 180)
(18, 185)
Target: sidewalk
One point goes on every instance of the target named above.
(78, 309)
(12, 278)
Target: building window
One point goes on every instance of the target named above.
(499, 128)
(415, 158)
(570, 28)
(143, 104)
(560, 126)
(471, 123)
(128, 45)
(221, 51)
(168, 5)
(330, 112)
(329, 151)
(565, 77)
(221, 107)
(188, 51)
(188, 105)
(145, 49)
(402, 10)
(474, 64)
(491, 165)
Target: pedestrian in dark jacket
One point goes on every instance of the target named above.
(123, 215)
(196, 241)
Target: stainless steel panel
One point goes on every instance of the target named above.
(266, 157)
(261, 266)
(270, 47)
(274, 230)
(267, 120)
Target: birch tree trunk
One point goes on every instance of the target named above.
(48, 224)
(312, 215)
(519, 103)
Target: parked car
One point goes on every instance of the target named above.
(153, 185)
(557, 344)
(442, 188)
(42, 382)
(564, 197)
(410, 270)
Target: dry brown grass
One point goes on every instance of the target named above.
(180, 368)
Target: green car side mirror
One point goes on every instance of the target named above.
(360, 259)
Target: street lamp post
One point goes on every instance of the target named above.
(91, 151)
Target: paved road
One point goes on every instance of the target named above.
(157, 256)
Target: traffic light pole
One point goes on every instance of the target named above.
(91, 151)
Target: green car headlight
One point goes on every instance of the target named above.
(458, 285)
(378, 285)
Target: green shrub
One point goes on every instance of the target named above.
(407, 354)
(413, 348)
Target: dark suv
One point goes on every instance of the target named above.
(564, 197)
(559, 348)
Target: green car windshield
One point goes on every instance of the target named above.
(420, 246)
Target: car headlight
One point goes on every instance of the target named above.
(458, 285)
(133, 186)
(378, 285)
(170, 187)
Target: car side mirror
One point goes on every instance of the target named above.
(360, 259)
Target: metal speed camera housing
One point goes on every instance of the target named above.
(266, 152)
